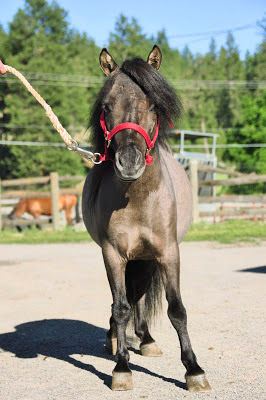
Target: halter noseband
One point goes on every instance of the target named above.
(127, 125)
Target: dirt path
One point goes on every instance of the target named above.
(55, 305)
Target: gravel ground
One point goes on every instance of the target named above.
(55, 305)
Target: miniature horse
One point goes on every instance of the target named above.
(138, 207)
(43, 206)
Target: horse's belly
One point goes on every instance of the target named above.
(183, 194)
(40, 207)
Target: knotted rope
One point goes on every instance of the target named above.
(53, 118)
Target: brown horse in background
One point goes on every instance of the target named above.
(43, 206)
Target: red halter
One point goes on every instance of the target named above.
(127, 125)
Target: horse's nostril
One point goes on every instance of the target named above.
(119, 161)
(138, 158)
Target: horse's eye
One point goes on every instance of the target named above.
(106, 108)
(152, 109)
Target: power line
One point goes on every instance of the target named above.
(216, 85)
(46, 76)
(213, 33)
(42, 127)
(222, 146)
(178, 84)
(56, 83)
(37, 144)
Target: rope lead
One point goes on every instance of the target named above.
(53, 118)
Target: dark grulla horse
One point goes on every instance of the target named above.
(137, 206)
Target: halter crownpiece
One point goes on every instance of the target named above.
(127, 125)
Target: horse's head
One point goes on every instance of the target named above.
(129, 114)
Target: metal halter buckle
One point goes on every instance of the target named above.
(108, 141)
(84, 153)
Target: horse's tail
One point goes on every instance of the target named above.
(144, 277)
(19, 209)
(77, 210)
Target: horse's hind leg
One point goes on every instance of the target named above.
(138, 282)
(68, 216)
(121, 311)
(148, 347)
(36, 214)
(195, 376)
(141, 277)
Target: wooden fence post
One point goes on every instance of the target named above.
(0, 209)
(195, 188)
(55, 199)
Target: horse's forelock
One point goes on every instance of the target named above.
(154, 86)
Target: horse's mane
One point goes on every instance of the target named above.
(167, 104)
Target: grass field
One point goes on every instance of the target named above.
(232, 231)
(227, 232)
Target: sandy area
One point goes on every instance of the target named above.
(55, 305)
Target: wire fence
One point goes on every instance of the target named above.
(51, 79)
(175, 147)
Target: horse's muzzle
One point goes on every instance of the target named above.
(129, 163)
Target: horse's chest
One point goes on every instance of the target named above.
(141, 233)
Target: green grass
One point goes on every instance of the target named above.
(220, 189)
(36, 236)
(227, 232)
(233, 231)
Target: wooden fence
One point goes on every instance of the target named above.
(53, 182)
(226, 206)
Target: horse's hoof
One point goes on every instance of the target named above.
(150, 350)
(197, 383)
(122, 381)
(111, 346)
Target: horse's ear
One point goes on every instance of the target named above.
(155, 57)
(108, 65)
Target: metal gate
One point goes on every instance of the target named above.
(208, 157)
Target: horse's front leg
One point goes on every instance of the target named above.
(170, 266)
(121, 310)
(111, 338)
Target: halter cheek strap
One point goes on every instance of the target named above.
(127, 125)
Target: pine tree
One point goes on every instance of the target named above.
(7, 161)
(128, 40)
(251, 127)
(39, 39)
(229, 68)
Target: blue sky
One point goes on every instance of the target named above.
(97, 18)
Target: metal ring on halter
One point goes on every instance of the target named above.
(94, 161)
(84, 153)
(73, 146)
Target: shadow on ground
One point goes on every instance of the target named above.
(257, 270)
(60, 339)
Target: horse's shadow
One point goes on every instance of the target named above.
(60, 339)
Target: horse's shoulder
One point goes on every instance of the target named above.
(173, 166)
